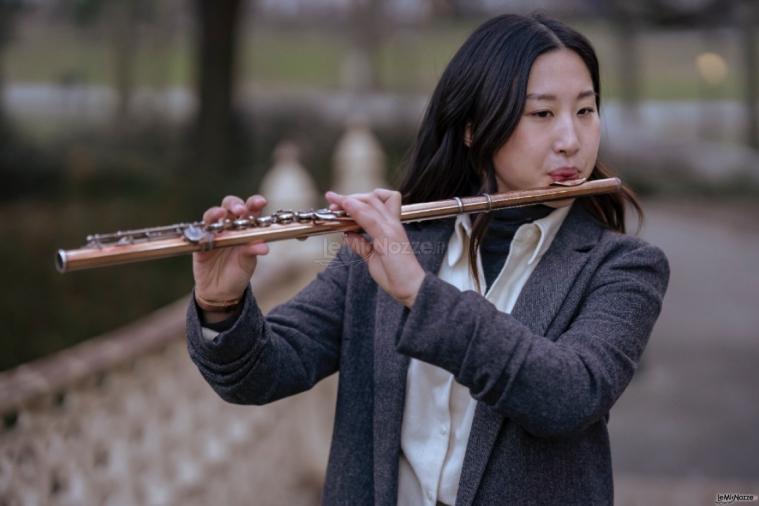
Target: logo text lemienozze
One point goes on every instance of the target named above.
(387, 247)
(733, 498)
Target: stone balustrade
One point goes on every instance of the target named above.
(126, 419)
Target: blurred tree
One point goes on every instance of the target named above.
(217, 26)
(748, 19)
(687, 14)
(366, 32)
(118, 20)
(626, 22)
(629, 16)
(670, 13)
(8, 10)
(711, 13)
(452, 8)
(122, 16)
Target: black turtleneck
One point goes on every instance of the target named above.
(497, 240)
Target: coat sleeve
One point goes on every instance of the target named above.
(551, 388)
(263, 359)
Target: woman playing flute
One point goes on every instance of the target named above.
(479, 356)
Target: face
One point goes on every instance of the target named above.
(558, 134)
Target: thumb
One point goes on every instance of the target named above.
(247, 255)
(361, 246)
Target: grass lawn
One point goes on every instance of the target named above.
(409, 60)
(44, 311)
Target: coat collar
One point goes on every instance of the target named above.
(536, 307)
(429, 241)
(546, 229)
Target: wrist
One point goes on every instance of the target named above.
(211, 318)
(223, 307)
(416, 283)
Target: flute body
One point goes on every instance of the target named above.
(172, 240)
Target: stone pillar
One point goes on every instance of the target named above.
(359, 162)
(288, 185)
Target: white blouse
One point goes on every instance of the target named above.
(438, 411)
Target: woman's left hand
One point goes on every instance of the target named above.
(389, 256)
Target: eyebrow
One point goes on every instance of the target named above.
(543, 96)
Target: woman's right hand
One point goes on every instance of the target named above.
(223, 274)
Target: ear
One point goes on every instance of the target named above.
(468, 135)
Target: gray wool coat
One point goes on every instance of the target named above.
(545, 376)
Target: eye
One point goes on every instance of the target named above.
(586, 111)
(541, 114)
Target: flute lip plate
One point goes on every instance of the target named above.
(571, 182)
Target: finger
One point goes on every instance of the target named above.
(361, 246)
(391, 197)
(386, 205)
(391, 201)
(234, 205)
(369, 201)
(384, 201)
(256, 249)
(381, 206)
(335, 200)
(383, 193)
(365, 216)
(365, 197)
(255, 204)
(338, 197)
(214, 214)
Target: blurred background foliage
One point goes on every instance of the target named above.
(120, 114)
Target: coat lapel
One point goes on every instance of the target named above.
(390, 367)
(536, 307)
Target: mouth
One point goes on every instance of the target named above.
(565, 173)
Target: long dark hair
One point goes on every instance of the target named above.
(485, 87)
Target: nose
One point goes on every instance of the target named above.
(567, 140)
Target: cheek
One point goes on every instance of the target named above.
(534, 146)
(523, 151)
(594, 136)
(522, 158)
(595, 147)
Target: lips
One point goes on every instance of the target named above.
(564, 173)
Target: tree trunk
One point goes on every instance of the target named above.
(123, 19)
(628, 63)
(217, 22)
(2, 79)
(6, 13)
(748, 13)
(367, 25)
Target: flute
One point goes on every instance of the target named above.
(166, 241)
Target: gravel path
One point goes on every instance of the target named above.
(688, 425)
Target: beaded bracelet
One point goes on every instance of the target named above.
(214, 306)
